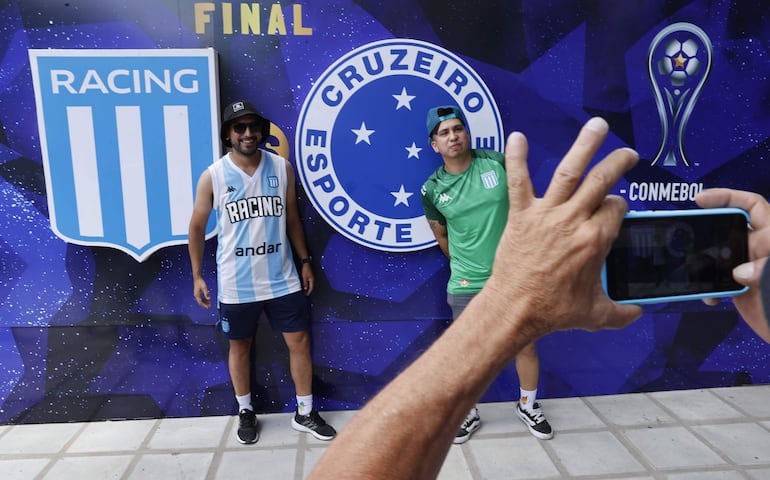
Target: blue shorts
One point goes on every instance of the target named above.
(458, 302)
(289, 313)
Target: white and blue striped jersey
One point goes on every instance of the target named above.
(254, 256)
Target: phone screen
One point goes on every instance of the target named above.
(666, 256)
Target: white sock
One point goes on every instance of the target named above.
(244, 401)
(527, 399)
(305, 404)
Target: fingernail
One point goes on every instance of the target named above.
(744, 271)
(516, 136)
(597, 124)
(636, 154)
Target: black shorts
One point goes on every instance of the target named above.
(289, 313)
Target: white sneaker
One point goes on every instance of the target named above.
(471, 423)
(535, 421)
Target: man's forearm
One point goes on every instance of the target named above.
(441, 382)
(296, 235)
(195, 246)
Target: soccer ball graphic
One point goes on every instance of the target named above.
(679, 62)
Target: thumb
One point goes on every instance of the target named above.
(750, 272)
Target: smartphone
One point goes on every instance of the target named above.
(674, 255)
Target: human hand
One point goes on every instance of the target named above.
(308, 279)
(553, 248)
(545, 277)
(749, 303)
(201, 293)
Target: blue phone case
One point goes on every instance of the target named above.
(673, 214)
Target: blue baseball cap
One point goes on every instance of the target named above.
(436, 115)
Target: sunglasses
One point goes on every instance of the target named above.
(255, 127)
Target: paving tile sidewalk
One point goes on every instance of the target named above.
(720, 433)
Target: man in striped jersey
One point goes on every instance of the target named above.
(252, 192)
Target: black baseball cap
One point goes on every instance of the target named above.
(237, 110)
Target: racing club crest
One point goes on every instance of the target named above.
(124, 136)
(361, 146)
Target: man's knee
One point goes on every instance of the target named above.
(298, 342)
(240, 347)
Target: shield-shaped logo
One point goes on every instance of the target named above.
(124, 136)
(489, 179)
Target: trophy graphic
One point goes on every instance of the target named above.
(678, 63)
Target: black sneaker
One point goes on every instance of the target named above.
(247, 427)
(535, 421)
(314, 425)
(471, 423)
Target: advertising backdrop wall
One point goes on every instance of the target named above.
(97, 319)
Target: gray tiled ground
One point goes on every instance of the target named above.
(710, 434)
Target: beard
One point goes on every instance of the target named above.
(248, 151)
